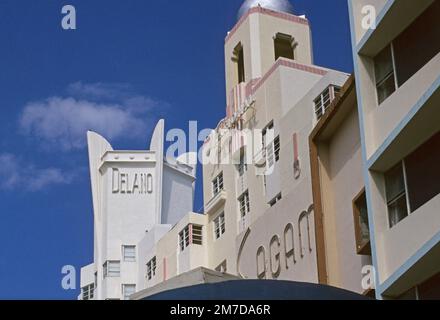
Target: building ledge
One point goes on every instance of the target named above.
(395, 146)
(394, 17)
(216, 202)
(419, 267)
(197, 276)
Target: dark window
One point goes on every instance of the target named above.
(151, 268)
(275, 200)
(396, 195)
(277, 148)
(423, 173)
(239, 60)
(197, 235)
(384, 74)
(430, 289)
(284, 46)
(362, 230)
(418, 44)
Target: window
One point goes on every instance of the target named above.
(128, 290)
(423, 173)
(184, 238)
(414, 181)
(217, 184)
(267, 134)
(384, 73)
(361, 227)
(275, 200)
(284, 46)
(323, 101)
(242, 166)
(151, 268)
(190, 234)
(238, 58)
(88, 292)
(244, 204)
(277, 148)
(271, 147)
(417, 44)
(129, 253)
(197, 235)
(273, 151)
(396, 194)
(219, 226)
(112, 269)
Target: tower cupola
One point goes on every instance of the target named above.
(276, 5)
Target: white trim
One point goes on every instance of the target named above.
(406, 187)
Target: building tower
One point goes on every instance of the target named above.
(265, 31)
(137, 197)
(258, 198)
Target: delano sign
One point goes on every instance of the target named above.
(131, 183)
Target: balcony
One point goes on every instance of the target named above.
(216, 202)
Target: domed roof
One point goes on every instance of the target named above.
(276, 5)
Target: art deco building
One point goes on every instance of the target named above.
(258, 220)
(137, 197)
(313, 175)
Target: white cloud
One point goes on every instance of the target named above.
(109, 109)
(14, 174)
(99, 90)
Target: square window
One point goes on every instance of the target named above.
(128, 290)
(112, 269)
(129, 253)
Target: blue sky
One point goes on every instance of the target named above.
(128, 64)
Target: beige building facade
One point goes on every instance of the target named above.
(258, 220)
(397, 68)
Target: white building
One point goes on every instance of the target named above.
(137, 197)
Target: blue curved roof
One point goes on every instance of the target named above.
(258, 290)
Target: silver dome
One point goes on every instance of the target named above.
(276, 5)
